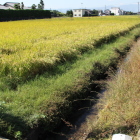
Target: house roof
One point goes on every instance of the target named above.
(83, 9)
(3, 7)
(11, 3)
(115, 8)
(107, 10)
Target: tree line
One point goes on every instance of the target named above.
(7, 15)
(33, 7)
(20, 13)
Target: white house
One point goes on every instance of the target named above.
(10, 5)
(81, 12)
(116, 11)
(3, 7)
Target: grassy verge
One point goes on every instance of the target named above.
(119, 109)
(42, 102)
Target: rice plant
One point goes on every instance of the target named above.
(31, 47)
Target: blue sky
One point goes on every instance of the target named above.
(73, 4)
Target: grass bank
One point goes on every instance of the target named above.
(119, 108)
(43, 102)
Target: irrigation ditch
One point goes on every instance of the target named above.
(76, 120)
(74, 126)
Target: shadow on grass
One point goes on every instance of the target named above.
(12, 126)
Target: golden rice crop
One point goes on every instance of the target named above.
(30, 45)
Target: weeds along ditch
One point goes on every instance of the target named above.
(119, 107)
(40, 104)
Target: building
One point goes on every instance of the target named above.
(123, 12)
(10, 5)
(88, 12)
(81, 12)
(100, 12)
(3, 7)
(116, 11)
(107, 12)
(27, 8)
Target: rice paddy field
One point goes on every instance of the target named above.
(29, 47)
(43, 64)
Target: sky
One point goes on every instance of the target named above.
(75, 4)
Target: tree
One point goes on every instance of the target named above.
(17, 6)
(41, 5)
(22, 5)
(112, 14)
(33, 6)
(128, 13)
(56, 13)
(69, 13)
(95, 12)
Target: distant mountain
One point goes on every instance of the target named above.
(132, 8)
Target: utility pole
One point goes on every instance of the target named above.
(81, 6)
(138, 8)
